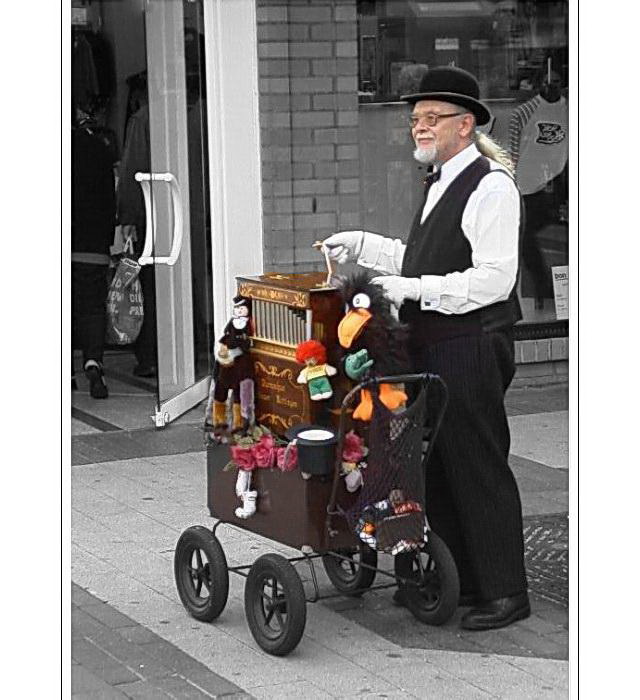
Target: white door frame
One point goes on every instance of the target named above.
(170, 153)
(235, 183)
(233, 118)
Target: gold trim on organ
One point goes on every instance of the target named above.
(288, 351)
(273, 419)
(284, 374)
(280, 296)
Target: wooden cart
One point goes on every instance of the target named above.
(306, 514)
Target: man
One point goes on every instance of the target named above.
(454, 282)
(93, 213)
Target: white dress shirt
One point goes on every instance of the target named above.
(490, 222)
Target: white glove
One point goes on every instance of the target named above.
(396, 289)
(344, 246)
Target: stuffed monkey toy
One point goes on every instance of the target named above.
(232, 365)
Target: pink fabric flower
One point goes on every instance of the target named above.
(264, 452)
(292, 458)
(243, 457)
(267, 441)
(353, 447)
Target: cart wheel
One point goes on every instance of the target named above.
(432, 590)
(346, 574)
(275, 604)
(201, 573)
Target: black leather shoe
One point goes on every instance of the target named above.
(493, 614)
(97, 387)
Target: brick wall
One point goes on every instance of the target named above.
(307, 58)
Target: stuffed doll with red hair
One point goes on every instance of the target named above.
(316, 372)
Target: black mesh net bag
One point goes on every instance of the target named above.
(389, 510)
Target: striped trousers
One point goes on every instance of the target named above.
(472, 498)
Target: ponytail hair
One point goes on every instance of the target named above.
(493, 150)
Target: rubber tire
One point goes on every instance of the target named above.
(447, 591)
(202, 608)
(351, 584)
(276, 567)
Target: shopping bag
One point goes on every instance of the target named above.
(124, 304)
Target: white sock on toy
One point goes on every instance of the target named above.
(248, 505)
(243, 482)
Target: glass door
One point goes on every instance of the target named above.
(176, 194)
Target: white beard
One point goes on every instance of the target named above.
(426, 156)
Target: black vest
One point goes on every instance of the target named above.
(438, 247)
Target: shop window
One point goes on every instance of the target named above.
(518, 50)
(507, 44)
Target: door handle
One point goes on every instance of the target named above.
(150, 208)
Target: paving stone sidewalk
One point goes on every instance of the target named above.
(115, 657)
(132, 638)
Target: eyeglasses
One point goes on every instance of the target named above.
(430, 118)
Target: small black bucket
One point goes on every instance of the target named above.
(316, 448)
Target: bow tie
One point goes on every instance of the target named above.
(432, 177)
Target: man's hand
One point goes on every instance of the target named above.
(356, 364)
(397, 289)
(344, 246)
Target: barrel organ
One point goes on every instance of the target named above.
(288, 309)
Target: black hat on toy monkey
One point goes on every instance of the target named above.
(241, 301)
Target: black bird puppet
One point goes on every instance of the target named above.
(375, 340)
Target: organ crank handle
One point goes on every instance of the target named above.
(319, 245)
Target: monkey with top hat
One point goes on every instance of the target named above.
(233, 370)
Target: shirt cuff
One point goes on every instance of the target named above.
(370, 252)
(430, 292)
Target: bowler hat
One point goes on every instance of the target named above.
(450, 84)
